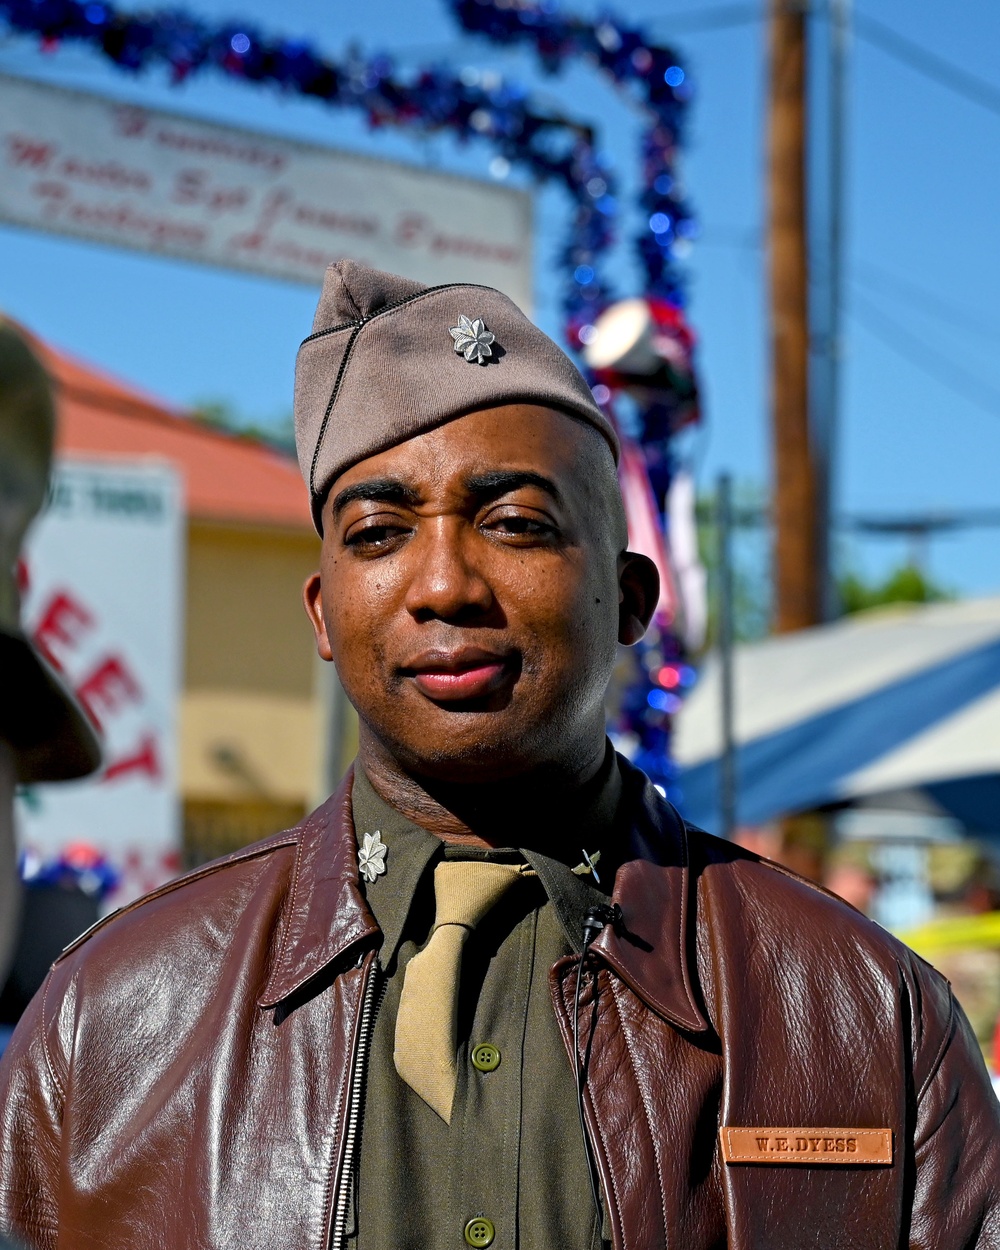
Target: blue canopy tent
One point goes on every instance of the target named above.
(889, 700)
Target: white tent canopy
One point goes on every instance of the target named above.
(886, 700)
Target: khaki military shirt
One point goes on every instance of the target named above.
(512, 1162)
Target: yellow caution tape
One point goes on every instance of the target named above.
(953, 933)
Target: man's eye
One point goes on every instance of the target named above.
(372, 537)
(520, 526)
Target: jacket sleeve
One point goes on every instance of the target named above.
(956, 1198)
(31, 1100)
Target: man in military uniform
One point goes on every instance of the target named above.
(44, 735)
(494, 993)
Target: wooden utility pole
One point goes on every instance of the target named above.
(798, 578)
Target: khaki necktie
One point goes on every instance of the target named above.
(426, 1024)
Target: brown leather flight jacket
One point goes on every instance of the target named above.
(191, 1074)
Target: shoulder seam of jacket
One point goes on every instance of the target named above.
(816, 888)
(176, 883)
(748, 856)
(45, 1038)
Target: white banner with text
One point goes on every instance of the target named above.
(85, 165)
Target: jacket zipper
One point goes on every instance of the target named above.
(374, 993)
(605, 1222)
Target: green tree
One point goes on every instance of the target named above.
(220, 415)
(905, 584)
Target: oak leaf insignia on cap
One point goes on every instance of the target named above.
(472, 339)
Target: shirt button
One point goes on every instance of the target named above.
(485, 1058)
(479, 1232)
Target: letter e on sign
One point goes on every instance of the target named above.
(62, 622)
(144, 759)
(109, 686)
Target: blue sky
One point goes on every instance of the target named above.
(923, 184)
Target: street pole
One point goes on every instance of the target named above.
(827, 333)
(798, 577)
(338, 739)
(727, 759)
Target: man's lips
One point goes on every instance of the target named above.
(452, 676)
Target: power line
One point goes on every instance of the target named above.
(875, 279)
(917, 57)
(887, 330)
(932, 361)
(920, 524)
(691, 20)
(883, 281)
(872, 524)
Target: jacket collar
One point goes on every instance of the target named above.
(325, 914)
(651, 950)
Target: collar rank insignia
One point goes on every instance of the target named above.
(589, 865)
(371, 856)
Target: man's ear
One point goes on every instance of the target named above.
(638, 595)
(312, 599)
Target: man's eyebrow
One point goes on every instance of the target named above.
(496, 482)
(376, 489)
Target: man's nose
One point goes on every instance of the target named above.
(447, 580)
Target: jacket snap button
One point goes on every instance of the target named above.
(479, 1232)
(485, 1057)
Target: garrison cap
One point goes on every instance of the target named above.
(389, 358)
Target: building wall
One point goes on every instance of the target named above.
(251, 724)
(246, 627)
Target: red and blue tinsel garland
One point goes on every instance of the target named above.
(468, 105)
(487, 107)
(652, 76)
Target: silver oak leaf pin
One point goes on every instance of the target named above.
(472, 339)
(371, 856)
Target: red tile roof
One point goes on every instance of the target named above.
(225, 477)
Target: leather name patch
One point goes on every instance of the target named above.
(807, 1145)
